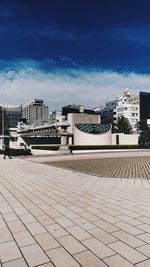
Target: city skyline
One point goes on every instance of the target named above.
(82, 52)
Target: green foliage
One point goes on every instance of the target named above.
(123, 126)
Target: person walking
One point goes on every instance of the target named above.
(7, 151)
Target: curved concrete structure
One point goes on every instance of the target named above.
(92, 134)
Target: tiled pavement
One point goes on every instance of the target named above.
(55, 217)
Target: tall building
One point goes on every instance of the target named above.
(13, 114)
(144, 106)
(35, 112)
(126, 105)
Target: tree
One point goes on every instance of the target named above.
(123, 125)
(6, 122)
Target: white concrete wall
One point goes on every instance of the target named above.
(81, 138)
(125, 139)
(74, 118)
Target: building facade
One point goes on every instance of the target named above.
(35, 112)
(126, 105)
(144, 106)
(13, 114)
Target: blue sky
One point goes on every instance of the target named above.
(73, 51)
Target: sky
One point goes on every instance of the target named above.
(73, 51)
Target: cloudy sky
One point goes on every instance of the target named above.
(73, 51)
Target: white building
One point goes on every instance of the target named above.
(35, 112)
(126, 105)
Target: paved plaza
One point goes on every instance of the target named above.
(51, 216)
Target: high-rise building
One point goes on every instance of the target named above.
(126, 105)
(35, 112)
(144, 106)
(13, 114)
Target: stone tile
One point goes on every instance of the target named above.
(9, 251)
(50, 264)
(5, 235)
(129, 220)
(76, 209)
(60, 257)
(89, 216)
(93, 210)
(145, 237)
(145, 250)
(70, 214)
(72, 245)
(128, 239)
(88, 259)
(20, 210)
(117, 261)
(60, 208)
(85, 224)
(144, 264)
(9, 217)
(145, 227)
(35, 228)
(144, 220)
(106, 226)
(34, 255)
(56, 230)
(64, 221)
(103, 236)
(127, 252)
(47, 241)
(36, 211)
(2, 224)
(16, 226)
(24, 238)
(129, 228)
(53, 213)
(130, 213)
(108, 218)
(16, 263)
(98, 248)
(45, 220)
(7, 209)
(111, 211)
(78, 233)
(27, 218)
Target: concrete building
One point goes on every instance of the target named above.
(126, 105)
(144, 106)
(83, 118)
(13, 114)
(35, 112)
(92, 134)
(78, 109)
(56, 117)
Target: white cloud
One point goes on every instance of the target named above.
(89, 87)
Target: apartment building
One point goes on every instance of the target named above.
(126, 105)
